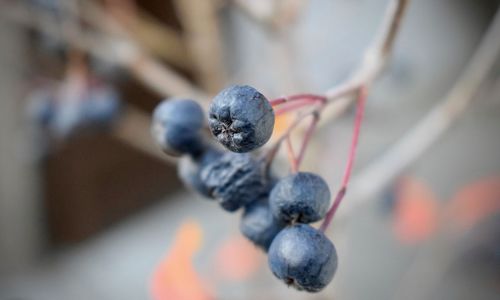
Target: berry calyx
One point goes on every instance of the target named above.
(241, 118)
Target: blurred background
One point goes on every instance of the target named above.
(91, 209)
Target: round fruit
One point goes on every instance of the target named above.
(235, 180)
(303, 257)
(259, 225)
(302, 197)
(241, 118)
(177, 126)
(189, 169)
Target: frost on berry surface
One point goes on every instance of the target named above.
(302, 197)
(303, 257)
(235, 180)
(259, 225)
(241, 118)
(177, 126)
(189, 170)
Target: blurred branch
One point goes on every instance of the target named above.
(375, 59)
(117, 49)
(428, 130)
(134, 126)
(203, 38)
(151, 72)
(276, 14)
(133, 130)
(158, 38)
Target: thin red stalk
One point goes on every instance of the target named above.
(292, 107)
(291, 155)
(307, 138)
(291, 98)
(289, 107)
(362, 93)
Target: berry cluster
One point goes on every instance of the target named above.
(276, 213)
(62, 114)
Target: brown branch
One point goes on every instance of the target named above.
(374, 61)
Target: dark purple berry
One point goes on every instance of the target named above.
(177, 126)
(235, 180)
(302, 197)
(189, 169)
(241, 118)
(303, 257)
(259, 225)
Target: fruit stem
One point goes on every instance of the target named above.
(307, 138)
(294, 102)
(308, 97)
(362, 93)
(291, 155)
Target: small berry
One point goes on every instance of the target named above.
(302, 197)
(235, 180)
(41, 108)
(177, 126)
(241, 118)
(102, 106)
(189, 169)
(303, 257)
(259, 225)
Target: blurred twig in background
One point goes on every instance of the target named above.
(428, 130)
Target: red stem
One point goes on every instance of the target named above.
(362, 93)
(307, 138)
(291, 155)
(286, 99)
(292, 106)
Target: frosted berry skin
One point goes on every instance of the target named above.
(177, 126)
(303, 257)
(259, 225)
(301, 197)
(241, 118)
(235, 180)
(189, 170)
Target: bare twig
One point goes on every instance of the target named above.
(374, 61)
(412, 145)
(131, 130)
(203, 38)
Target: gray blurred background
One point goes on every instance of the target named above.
(92, 215)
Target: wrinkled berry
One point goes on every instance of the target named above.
(189, 169)
(235, 180)
(303, 257)
(241, 118)
(302, 197)
(259, 225)
(177, 126)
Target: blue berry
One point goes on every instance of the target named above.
(177, 126)
(302, 197)
(41, 108)
(102, 106)
(235, 180)
(241, 118)
(189, 169)
(303, 257)
(259, 225)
